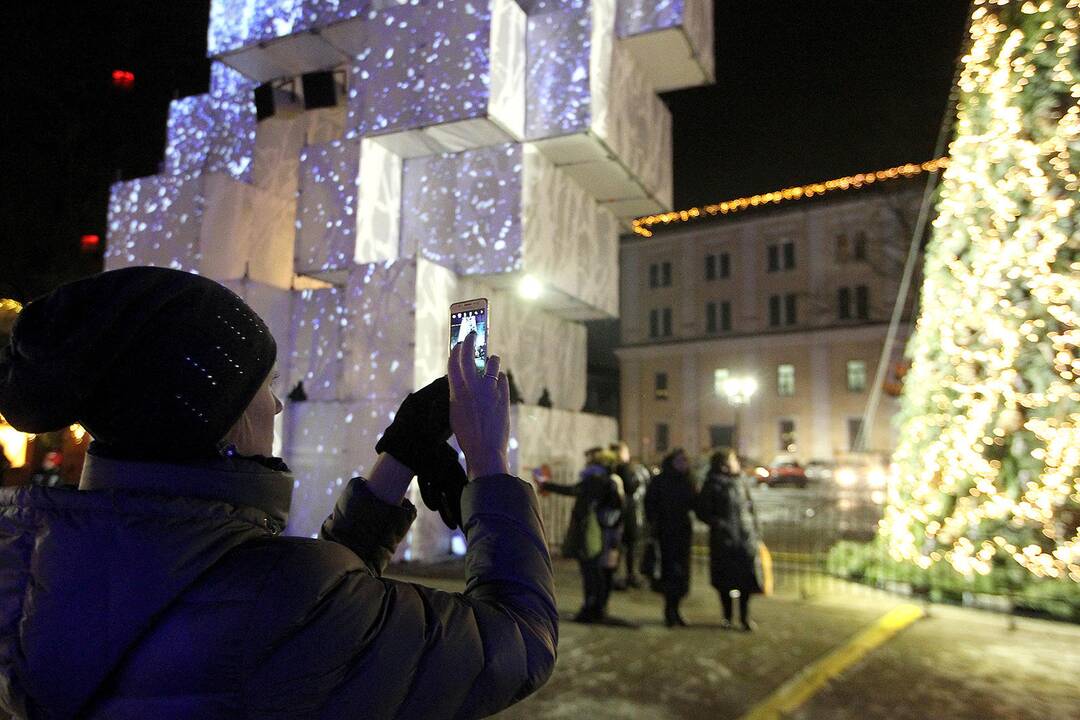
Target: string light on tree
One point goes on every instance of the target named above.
(989, 445)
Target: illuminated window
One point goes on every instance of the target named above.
(785, 380)
(856, 375)
(720, 375)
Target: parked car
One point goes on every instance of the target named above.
(783, 470)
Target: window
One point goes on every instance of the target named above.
(717, 317)
(721, 436)
(660, 275)
(717, 266)
(665, 323)
(786, 436)
(858, 249)
(720, 376)
(654, 323)
(662, 439)
(856, 442)
(862, 302)
(774, 311)
(660, 386)
(785, 380)
(856, 375)
(843, 251)
(774, 258)
(789, 310)
(789, 256)
(843, 303)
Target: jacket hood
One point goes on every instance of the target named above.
(87, 572)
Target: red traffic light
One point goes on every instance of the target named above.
(123, 79)
(90, 243)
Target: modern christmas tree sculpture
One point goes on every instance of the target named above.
(479, 143)
(990, 435)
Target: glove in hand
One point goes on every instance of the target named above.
(442, 479)
(417, 439)
(421, 423)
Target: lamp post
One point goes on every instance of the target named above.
(738, 391)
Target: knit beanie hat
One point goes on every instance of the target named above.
(153, 362)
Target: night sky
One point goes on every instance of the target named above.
(805, 91)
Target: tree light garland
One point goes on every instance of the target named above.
(989, 445)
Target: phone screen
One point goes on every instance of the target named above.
(466, 321)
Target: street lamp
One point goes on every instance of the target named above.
(738, 391)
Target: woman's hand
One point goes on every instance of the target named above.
(479, 411)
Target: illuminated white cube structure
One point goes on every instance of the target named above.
(480, 146)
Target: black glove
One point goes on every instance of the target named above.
(417, 439)
(421, 423)
(441, 479)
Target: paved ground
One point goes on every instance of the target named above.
(955, 664)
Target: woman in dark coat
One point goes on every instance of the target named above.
(668, 502)
(724, 505)
(163, 587)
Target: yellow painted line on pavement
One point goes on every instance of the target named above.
(796, 691)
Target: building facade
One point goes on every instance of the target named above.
(797, 297)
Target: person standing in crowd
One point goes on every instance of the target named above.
(669, 501)
(163, 586)
(633, 476)
(724, 505)
(592, 534)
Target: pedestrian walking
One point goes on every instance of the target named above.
(724, 504)
(592, 534)
(669, 501)
(163, 586)
(634, 476)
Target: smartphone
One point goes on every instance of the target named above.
(469, 316)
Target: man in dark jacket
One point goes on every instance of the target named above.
(163, 588)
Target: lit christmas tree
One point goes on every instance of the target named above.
(990, 427)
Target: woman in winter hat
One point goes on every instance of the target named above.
(163, 587)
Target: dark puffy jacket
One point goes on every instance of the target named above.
(181, 600)
(725, 505)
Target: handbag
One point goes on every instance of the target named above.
(764, 569)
